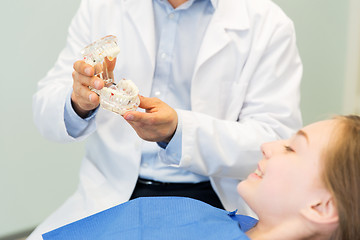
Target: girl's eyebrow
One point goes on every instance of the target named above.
(303, 134)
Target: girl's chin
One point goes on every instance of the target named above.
(248, 186)
(241, 187)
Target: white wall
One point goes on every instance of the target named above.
(36, 175)
(352, 87)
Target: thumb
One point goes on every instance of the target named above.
(146, 102)
(134, 116)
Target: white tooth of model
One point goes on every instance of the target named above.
(119, 98)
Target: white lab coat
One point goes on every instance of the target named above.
(244, 91)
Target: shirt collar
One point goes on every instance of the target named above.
(214, 3)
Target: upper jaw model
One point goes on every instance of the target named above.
(121, 97)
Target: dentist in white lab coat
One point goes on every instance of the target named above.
(240, 87)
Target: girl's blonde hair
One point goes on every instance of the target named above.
(341, 175)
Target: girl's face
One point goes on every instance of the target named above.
(288, 177)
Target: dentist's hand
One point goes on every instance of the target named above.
(82, 98)
(157, 124)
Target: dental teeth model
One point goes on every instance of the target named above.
(119, 98)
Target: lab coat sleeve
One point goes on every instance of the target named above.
(52, 90)
(231, 147)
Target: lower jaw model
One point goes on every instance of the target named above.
(119, 98)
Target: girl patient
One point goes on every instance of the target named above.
(307, 187)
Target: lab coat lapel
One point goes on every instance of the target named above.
(141, 14)
(230, 15)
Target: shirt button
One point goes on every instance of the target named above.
(171, 15)
(157, 93)
(163, 55)
(145, 165)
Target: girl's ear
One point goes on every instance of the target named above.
(321, 211)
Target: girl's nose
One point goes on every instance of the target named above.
(270, 149)
(266, 150)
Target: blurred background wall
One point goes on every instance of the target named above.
(36, 175)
